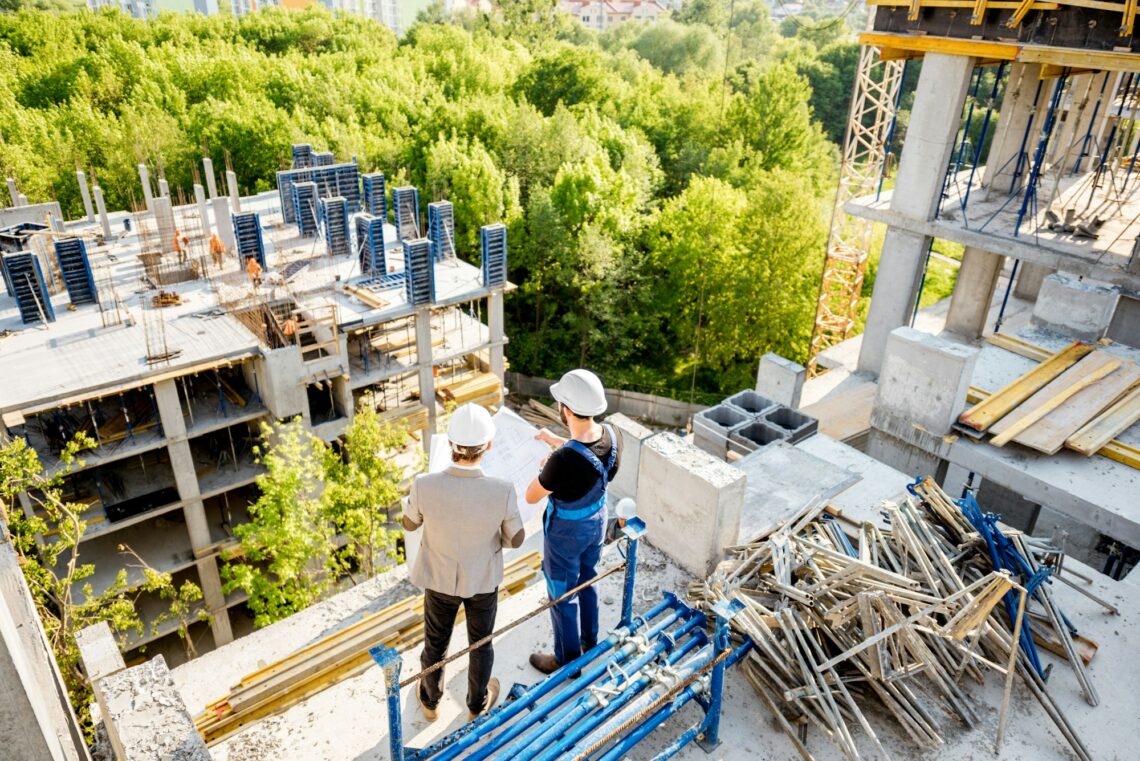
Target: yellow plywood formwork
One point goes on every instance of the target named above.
(902, 46)
(1099, 432)
(998, 405)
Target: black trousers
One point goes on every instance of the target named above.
(439, 620)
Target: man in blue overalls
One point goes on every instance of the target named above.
(575, 477)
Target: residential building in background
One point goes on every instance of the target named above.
(601, 15)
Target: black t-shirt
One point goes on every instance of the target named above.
(569, 476)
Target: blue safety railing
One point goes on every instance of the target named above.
(602, 704)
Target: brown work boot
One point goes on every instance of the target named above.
(545, 662)
(489, 701)
(431, 713)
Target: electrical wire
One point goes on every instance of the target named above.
(819, 25)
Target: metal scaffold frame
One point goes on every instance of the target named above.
(870, 123)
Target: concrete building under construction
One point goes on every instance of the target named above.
(129, 328)
(820, 601)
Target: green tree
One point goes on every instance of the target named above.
(287, 556)
(364, 488)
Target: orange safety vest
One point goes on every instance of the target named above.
(252, 267)
(289, 327)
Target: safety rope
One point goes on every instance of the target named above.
(653, 707)
(475, 646)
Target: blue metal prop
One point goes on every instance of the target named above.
(605, 702)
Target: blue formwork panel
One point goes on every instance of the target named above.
(302, 156)
(305, 208)
(22, 271)
(493, 246)
(419, 272)
(375, 195)
(406, 212)
(324, 158)
(247, 232)
(334, 220)
(441, 229)
(285, 195)
(348, 185)
(76, 270)
(370, 244)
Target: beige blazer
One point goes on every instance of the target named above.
(467, 518)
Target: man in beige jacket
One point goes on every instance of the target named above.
(467, 518)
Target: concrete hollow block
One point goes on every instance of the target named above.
(797, 425)
(750, 402)
(712, 426)
(781, 379)
(753, 435)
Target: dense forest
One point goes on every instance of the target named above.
(666, 186)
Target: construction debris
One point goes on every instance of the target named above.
(896, 619)
(343, 655)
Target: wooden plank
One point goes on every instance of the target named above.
(1104, 428)
(1042, 403)
(983, 415)
(1048, 435)
(1019, 347)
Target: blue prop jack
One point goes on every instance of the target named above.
(602, 704)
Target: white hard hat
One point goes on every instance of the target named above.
(626, 508)
(470, 426)
(582, 392)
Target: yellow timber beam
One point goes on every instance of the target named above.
(894, 46)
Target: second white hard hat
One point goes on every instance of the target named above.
(582, 392)
(470, 426)
(626, 508)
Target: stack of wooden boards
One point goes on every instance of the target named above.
(1080, 398)
(899, 619)
(343, 655)
(471, 385)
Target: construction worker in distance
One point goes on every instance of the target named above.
(575, 477)
(289, 327)
(217, 250)
(253, 269)
(467, 518)
(178, 245)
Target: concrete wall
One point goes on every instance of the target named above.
(36, 720)
(633, 437)
(658, 409)
(690, 501)
(279, 371)
(34, 213)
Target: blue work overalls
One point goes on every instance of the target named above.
(572, 547)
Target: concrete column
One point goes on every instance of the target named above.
(224, 222)
(935, 119)
(497, 333)
(13, 192)
(36, 720)
(215, 601)
(102, 209)
(1017, 112)
(211, 182)
(169, 405)
(973, 292)
(1077, 103)
(1105, 117)
(1079, 308)
(23, 200)
(163, 187)
(780, 380)
(164, 221)
(633, 437)
(200, 197)
(427, 375)
(145, 716)
(1029, 277)
(922, 390)
(86, 195)
(235, 196)
(690, 501)
(148, 194)
(1075, 140)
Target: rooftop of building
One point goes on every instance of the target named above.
(90, 349)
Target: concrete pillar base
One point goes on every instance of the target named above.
(1029, 278)
(1082, 309)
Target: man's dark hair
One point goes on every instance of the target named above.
(466, 454)
(567, 411)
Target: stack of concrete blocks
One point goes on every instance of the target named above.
(691, 502)
(1082, 309)
(747, 421)
(144, 716)
(922, 391)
